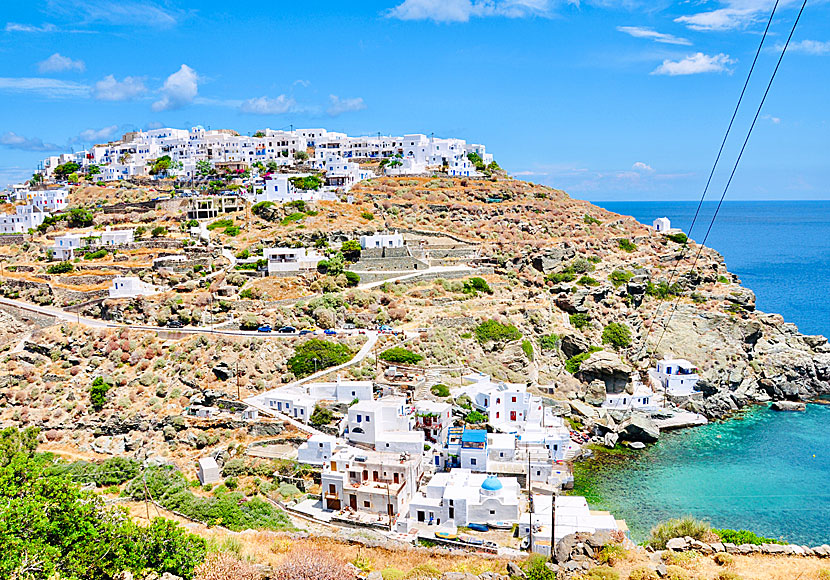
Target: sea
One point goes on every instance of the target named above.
(766, 471)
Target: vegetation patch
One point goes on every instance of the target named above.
(626, 245)
(617, 335)
(678, 528)
(315, 354)
(739, 537)
(663, 290)
(579, 320)
(399, 354)
(573, 364)
(440, 390)
(495, 331)
(60, 268)
(620, 277)
(527, 348)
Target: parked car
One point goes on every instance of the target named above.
(348, 326)
(385, 328)
(330, 332)
(307, 330)
(174, 324)
(264, 328)
(287, 330)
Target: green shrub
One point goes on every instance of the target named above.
(399, 354)
(620, 277)
(367, 215)
(98, 393)
(677, 528)
(626, 245)
(566, 275)
(158, 231)
(590, 220)
(582, 266)
(232, 231)
(60, 268)
(292, 217)
(573, 364)
(723, 279)
(258, 209)
(535, 568)
(316, 354)
(527, 348)
(95, 255)
(307, 182)
(662, 290)
(739, 537)
(679, 238)
(111, 472)
(223, 223)
(579, 320)
(611, 554)
(352, 279)
(549, 342)
(321, 416)
(79, 218)
(475, 418)
(440, 390)
(587, 281)
(617, 335)
(351, 250)
(475, 285)
(643, 573)
(495, 331)
(392, 574)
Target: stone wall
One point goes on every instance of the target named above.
(14, 239)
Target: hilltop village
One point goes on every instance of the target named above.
(383, 335)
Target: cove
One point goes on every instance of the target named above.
(765, 471)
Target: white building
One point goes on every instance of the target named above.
(434, 418)
(291, 259)
(572, 516)
(366, 481)
(277, 189)
(382, 241)
(25, 218)
(642, 399)
(462, 497)
(208, 471)
(66, 245)
(662, 225)
(111, 237)
(50, 200)
(317, 450)
(464, 448)
(386, 425)
(677, 377)
(291, 401)
(130, 287)
(508, 406)
(341, 391)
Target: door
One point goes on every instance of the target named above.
(353, 501)
(374, 476)
(512, 415)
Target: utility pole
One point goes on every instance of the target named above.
(238, 391)
(552, 524)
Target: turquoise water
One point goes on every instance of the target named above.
(767, 472)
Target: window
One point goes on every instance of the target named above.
(472, 461)
(359, 418)
(366, 504)
(512, 399)
(492, 512)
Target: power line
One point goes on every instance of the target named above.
(737, 161)
(714, 167)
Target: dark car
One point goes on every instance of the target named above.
(174, 324)
(330, 331)
(264, 328)
(287, 330)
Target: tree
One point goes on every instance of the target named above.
(617, 335)
(401, 355)
(352, 279)
(476, 160)
(259, 134)
(321, 416)
(36, 179)
(161, 166)
(316, 354)
(351, 250)
(158, 231)
(64, 170)
(93, 170)
(301, 156)
(79, 218)
(476, 285)
(72, 178)
(204, 169)
(309, 182)
(98, 393)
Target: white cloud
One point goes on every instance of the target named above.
(17, 27)
(179, 90)
(695, 64)
(115, 12)
(643, 167)
(53, 88)
(15, 141)
(59, 63)
(463, 10)
(303, 83)
(98, 135)
(644, 32)
(771, 119)
(731, 15)
(813, 47)
(111, 89)
(338, 106)
(269, 106)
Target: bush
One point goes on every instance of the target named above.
(367, 215)
(620, 277)
(258, 209)
(249, 322)
(111, 472)
(476, 285)
(475, 418)
(723, 559)
(573, 364)
(398, 354)
(566, 275)
(351, 250)
(391, 574)
(723, 280)
(611, 554)
(677, 528)
(662, 290)
(60, 268)
(587, 281)
(579, 320)
(643, 573)
(679, 238)
(535, 568)
(292, 217)
(739, 537)
(232, 231)
(495, 331)
(316, 354)
(158, 231)
(590, 220)
(440, 390)
(527, 348)
(304, 563)
(95, 255)
(321, 416)
(626, 245)
(549, 342)
(226, 566)
(582, 266)
(601, 574)
(223, 223)
(617, 335)
(307, 182)
(352, 279)
(79, 218)
(98, 393)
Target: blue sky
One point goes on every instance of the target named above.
(606, 99)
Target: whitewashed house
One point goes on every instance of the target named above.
(50, 200)
(380, 240)
(662, 225)
(642, 399)
(291, 401)
(291, 259)
(111, 237)
(342, 391)
(25, 218)
(461, 497)
(277, 189)
(572, 516)
(317, 449)
(386, 425)
(208, 471)
(508, 406)
(130, 287)
(371, 482)
(66, 246)
(465, 448)
(678, 377)
(433, 418)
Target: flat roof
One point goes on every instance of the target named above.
(474, 436)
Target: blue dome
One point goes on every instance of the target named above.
(492, 483)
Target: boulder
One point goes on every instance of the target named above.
(595, 395)
(574, 344)
(600, 539)
(607, 367)
(610, 440)
(223, 371)
(564, 548)
(580, 408)
(730, 548)
(677, 544)
(788, 406)
(514, 571)
(639, 427)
